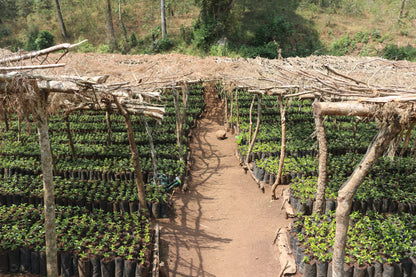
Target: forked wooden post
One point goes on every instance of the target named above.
(388, 131)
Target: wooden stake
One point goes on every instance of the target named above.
(282, 148)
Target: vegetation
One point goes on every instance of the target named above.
(234, 28)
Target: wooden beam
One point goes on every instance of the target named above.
(344, 108)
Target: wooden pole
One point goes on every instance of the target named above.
(282, 148)
(231, 111)
(250, 130)
(253, 140)
(135, 156)
(407, 138)
(41, 117)
(108, 120)
(344, 108)
(238, 111)
(345, 195)
(69, 134)
(323, 159)
(152, 147)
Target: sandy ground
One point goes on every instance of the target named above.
(223, 225)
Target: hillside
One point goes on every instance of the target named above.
(249, 29)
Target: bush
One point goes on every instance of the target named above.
(44, 40)
(342, 46)
(104, 49)
(163, 45)
(394, 52)
(31, 35)
(133, 40)
(186, 34)
(85, 47)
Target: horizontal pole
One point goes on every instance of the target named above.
(344, 108)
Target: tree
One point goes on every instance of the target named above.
(111, 38)
(61, 20)
(402, 9)
(212, 20)
(163, 18)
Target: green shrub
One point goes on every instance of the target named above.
(163, 45)
(4, 31)
(104, 49)
(362, 37)
(31, 35)
(133, 40)
(186, 34)
(13, 44)
(85, 47)
(394, 52)
(342, 46)
(44, 40)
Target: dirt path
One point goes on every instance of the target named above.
(224, 225)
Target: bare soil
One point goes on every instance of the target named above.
(223, 225)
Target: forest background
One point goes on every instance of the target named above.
(235, 28)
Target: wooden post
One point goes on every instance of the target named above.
(178, 118)
(135, 156)
(345, 195)
(323, 159)
(108, 120)
(250, 130)
(407, 138)
(69, 134)
(6, 121)
(19, 121)
(257, 128)
(238, 112)
(231, 111)
(41, 117)
(152, 147)
(282, 147)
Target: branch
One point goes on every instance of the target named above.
(12, 68)
(46, 51)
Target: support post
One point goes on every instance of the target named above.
(41, 117)
(282, 147)
(257, 128)
(135, 156)
(323, 159)
(345, 195)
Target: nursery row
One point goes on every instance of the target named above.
(91, 151)
(117, 196)
(107, 169)
(87, 242)
(377, 244)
